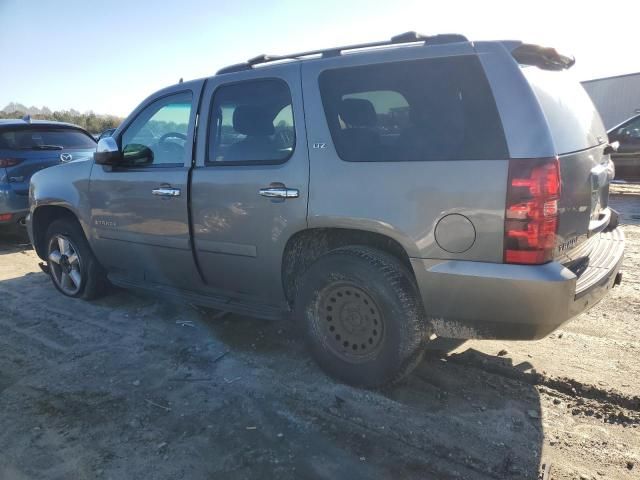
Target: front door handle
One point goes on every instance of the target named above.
(166, 192)
(280, 192)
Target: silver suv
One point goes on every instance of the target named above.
(381, 193)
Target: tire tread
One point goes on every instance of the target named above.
(400, 280)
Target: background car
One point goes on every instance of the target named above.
(27, 146)
(627, 158)
(106, 133)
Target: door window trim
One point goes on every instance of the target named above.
(246, 163)
(190, 128)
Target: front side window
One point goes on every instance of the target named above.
(435, 109)
(158, 135)
(251, 122)
(630, 132)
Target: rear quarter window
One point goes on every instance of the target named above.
(38, 138)
(572, 118)
(434, 109)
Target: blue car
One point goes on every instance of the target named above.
(27, 146)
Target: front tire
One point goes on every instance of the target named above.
(73, 268)
(363, 317)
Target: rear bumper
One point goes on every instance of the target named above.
(11, 203)
(514, 302)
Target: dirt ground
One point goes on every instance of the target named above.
(130, 387)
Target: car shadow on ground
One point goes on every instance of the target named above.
(242, 396)
(469, 408)
(13, 240)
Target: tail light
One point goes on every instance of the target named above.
(531, 217)
(10, 162)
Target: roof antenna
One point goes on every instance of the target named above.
(26, 118)
(180, 81)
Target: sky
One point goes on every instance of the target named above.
(108, 56)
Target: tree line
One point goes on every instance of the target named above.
(88, 120)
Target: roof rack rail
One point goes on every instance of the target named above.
(407, 37)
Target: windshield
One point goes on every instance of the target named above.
(45, 139)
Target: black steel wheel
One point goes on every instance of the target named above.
(363, 316)
(354, 326)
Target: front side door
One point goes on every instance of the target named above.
(249, 186)
(139, 208)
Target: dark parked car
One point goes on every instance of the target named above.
(27, 146)
(443, 187)
(627, 158)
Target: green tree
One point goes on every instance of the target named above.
(89, 120)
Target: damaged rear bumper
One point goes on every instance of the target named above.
(515, 302)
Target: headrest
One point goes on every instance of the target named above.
(358, 112)
(252, 121)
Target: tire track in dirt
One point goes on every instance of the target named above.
(441, 460)
(406, 430)
(589, 399)
(63, 319)
(431, 454)
(34, 337)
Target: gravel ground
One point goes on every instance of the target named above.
(129, 387)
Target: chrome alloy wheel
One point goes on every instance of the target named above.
(64, 264)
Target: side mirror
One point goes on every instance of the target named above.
(611, 148)
(137, 155)
(107, 152)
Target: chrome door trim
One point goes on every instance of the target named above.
(280, 192)
(166, 192)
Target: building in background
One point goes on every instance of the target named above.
(616, 98)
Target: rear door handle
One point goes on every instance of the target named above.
(280, 192)
(166, 192)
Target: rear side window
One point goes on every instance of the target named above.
(573, 120)
(252, 123)
(42, 139)
(435, 109)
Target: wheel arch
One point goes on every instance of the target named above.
(44, 216)
(306, 246)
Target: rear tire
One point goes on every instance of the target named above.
(73, 268)
(363, 316)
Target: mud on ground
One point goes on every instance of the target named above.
(129, 387)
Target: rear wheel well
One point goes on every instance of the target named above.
(307, 246)
(42, 218)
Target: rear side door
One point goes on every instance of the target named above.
(139, 209)
(249, 185)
